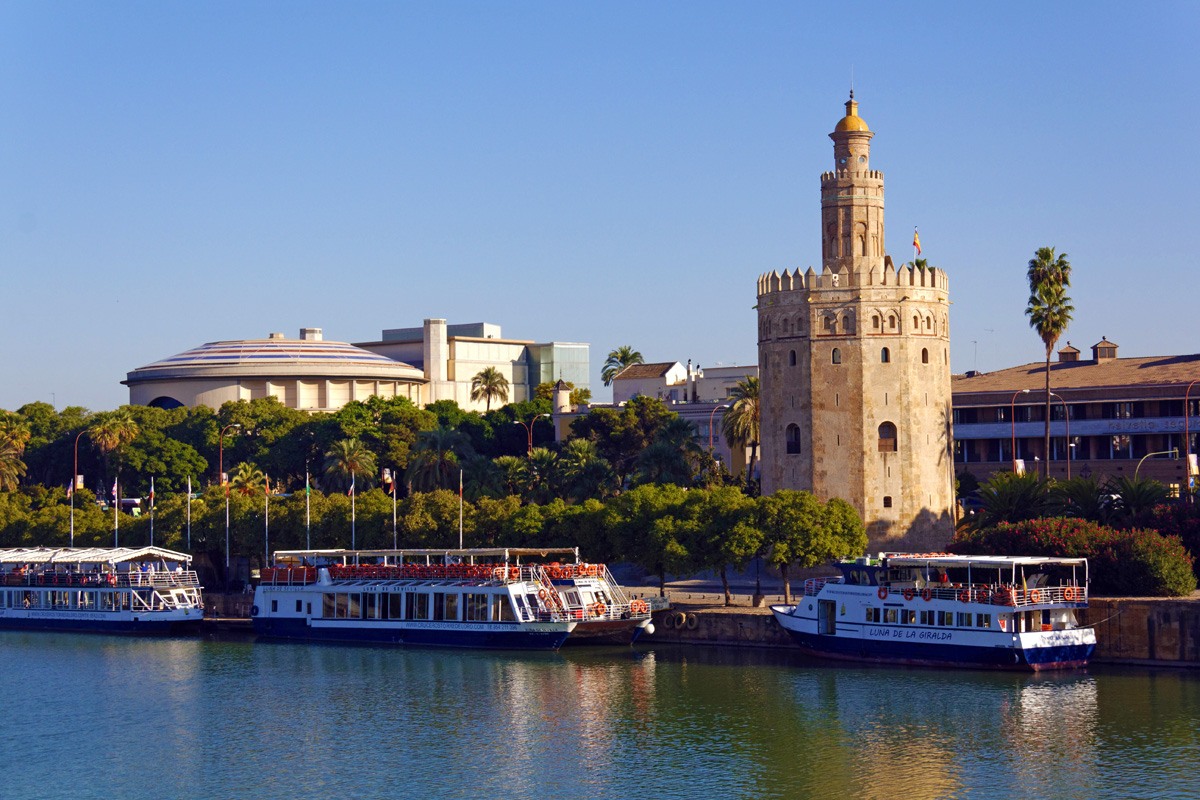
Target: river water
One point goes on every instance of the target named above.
(110, 717)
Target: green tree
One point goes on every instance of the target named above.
(624, 356)
(740, 425)
(621, 434)
(1135, 496)
(1084, 498)
(1049, 310)
(650, 527)
(1010, 497)
(489, 384)
(247, 479)
(725, 530)
(436, 459)
(346, 461)
(582, 473)
(110, 433)
(13, 436)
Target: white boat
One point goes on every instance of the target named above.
(938, 609)
(505, 598)
(99, 589)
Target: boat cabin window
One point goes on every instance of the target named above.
(274, 606)
(395, 606)
(983, 620)
(963, 620)
(416, 605)
(299, 606)
(476, 608)
(945, 619)
(908, 616)
(874, 614)
(891, 615)
(502, 609)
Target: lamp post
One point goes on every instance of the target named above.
(1012, 418)
(529, 430)
(225, 485)
(711, 416)
(1187, 444)
(391, 484)
(75, 483)
(1067, 423)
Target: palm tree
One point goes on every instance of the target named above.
(348, 458)
(618, 360)
(487, 384)
(247, 479)
(582, 472)
(13, 436)
(111, 432)
(436, 457)
(740, 425)
(1049, 311)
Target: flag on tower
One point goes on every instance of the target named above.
(151, 491)
(916, 242)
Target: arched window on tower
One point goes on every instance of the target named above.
(836, 357)
(892, 321)
(924, 355)
(875, 321)
(916, 324)
(792, 436)
(887, 437)
(885, 356)
(792, 358)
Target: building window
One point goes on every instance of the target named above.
(887, 501)
(887, 437)
(837, 356)
(875, 321)
(892, 321)
(792, 436)
(792, 358)
(924, 355)
(885, 355)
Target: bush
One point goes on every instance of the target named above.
(1134, 562)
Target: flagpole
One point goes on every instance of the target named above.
(116, 519)
(152, 511)
(460, 509)
(189, 514)
(266, 520)
(353, 537)
(307, 513)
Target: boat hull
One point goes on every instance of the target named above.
(607, 632)
(488, 636)
(141, 624)
(1069, 652)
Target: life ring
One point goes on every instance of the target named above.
(1070, 593)
(909, 593)
(599, 609)
(965, 596)
(541, 594)
(926, 594)
(41, 580)
(112, 579)
(1035, 596)
(1002, 597)
(982, 596)
(693, 622)
(254, 611)
(514, 573)
(883, 592)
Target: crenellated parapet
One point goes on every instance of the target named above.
(882, 275)
(848, 174)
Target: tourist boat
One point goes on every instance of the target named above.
(101, 589)
(938, 609)
(504, 598)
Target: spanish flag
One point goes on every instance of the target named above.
(916, 242)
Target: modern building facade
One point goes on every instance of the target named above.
(855, 367)
(1110, 417)
(433, 362)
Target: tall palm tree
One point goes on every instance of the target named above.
(436, 457)
(247, 479)
(13, 436)
(111, 432)
(348, 458)
(740, 425)
(489, 383)
(618, 360)
(1049, 310)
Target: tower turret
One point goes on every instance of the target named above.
(852, 200)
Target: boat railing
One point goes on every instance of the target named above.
(991, 594)
(159, 579)
(814, 585)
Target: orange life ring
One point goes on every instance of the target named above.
(926, 594)
(1035, 596)
(1069, 593)
(982, 596)
(599, 609)
(909, 593)
(883, 592)
(1002, 597)
(112, 579)
(541, 594)
(965, 596)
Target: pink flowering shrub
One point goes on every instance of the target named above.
(1136, 562)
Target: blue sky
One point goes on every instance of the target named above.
(613, 173)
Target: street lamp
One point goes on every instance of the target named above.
(1012, 418)
(1067, 423)
(710, 425)
(74, 484)
(529, 430)
(225, 484)
(1187, 445)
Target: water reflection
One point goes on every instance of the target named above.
(211, 719)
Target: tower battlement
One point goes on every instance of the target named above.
(847, 174)
(903, 276)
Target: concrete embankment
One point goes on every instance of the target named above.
(1155, 631)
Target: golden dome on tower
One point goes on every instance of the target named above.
(852, 121)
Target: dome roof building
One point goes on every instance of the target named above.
(306, 373)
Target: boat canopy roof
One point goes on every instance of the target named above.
(88, 555)
(997, 562)
(505, 553)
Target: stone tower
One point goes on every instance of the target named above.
(854, 366)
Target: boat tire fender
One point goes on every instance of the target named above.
(693, 622)
(254, 611)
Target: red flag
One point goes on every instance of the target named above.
(916, 241)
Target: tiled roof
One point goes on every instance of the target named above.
(635, 371)
(1149, 371)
